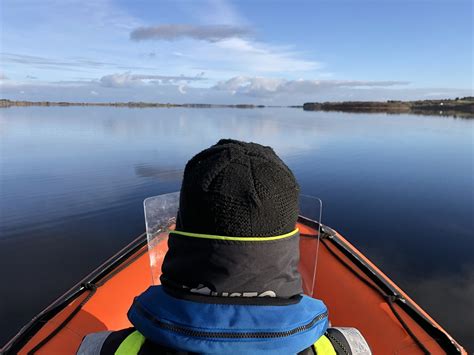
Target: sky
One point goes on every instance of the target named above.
(227, 52)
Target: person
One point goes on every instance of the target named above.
(230, 280)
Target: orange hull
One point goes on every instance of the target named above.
(356, 292)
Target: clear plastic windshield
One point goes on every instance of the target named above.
(160, 217)
(311, 209)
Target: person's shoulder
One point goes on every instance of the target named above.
(105, 342)
(108, 342)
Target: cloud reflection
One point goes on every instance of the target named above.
(162, 174)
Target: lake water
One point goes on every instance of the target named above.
(72, 182)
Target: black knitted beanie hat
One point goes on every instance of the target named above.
(243, 191)
(238, 189)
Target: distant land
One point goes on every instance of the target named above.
(10, 103)
(462, 107)
(459, 107)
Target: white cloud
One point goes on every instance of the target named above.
(119, 80)
(220, 44)
(108, 51)
(68, 63)
(259, 57)
(261, 86)
(252, 90)
(128, 79)
(236, 56)
(182, 89)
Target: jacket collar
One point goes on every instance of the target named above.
(222, 328)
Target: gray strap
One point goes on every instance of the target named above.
(348, 341)
(92, 343)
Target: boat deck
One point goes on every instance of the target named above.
(356, 292)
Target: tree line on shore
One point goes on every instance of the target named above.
(132, 104)
(462, 107)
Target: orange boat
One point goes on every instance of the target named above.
(355, 291)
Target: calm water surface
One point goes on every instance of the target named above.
(72, 182)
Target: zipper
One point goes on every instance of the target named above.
(226, 335)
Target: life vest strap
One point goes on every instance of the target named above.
(323, 346)
(132, 344)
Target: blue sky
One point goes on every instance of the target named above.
(269, 52)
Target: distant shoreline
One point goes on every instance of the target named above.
(462, 107)
(131, 104)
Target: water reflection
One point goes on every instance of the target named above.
(446, 297)
(72, 182)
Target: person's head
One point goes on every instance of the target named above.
(236, 223)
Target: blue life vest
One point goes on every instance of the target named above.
(228, 328)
